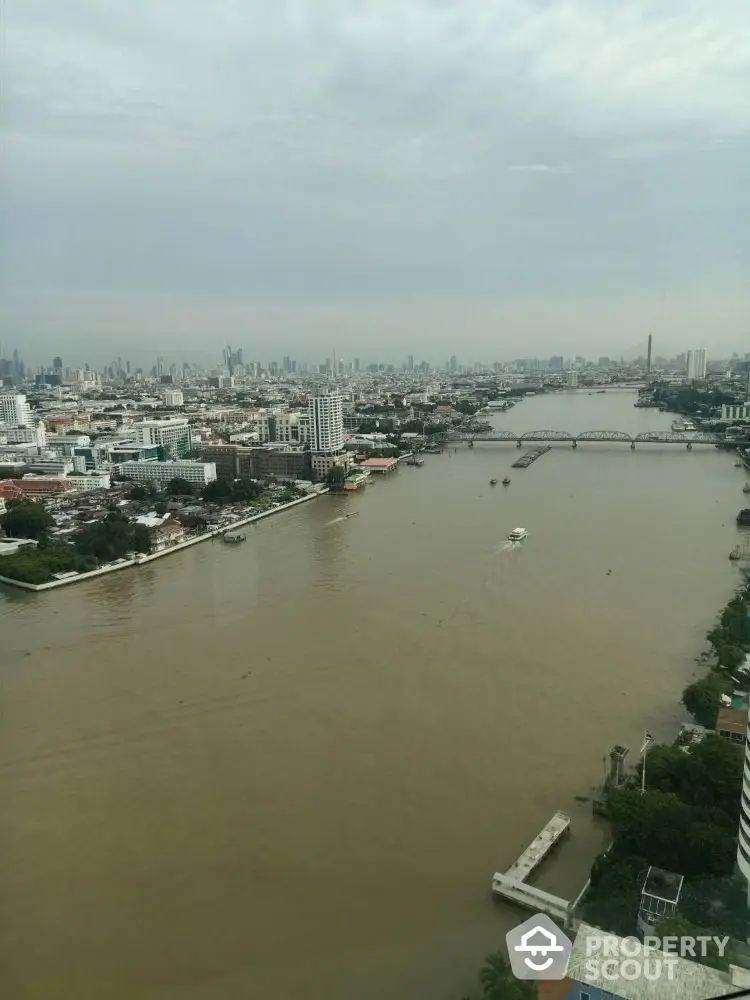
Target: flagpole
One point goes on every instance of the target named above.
(643, 767)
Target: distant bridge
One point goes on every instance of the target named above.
(620, 437)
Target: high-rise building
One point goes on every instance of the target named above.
(453, 362)
(410, 363)
(172, 434)
(696, 365)
(743, 844)
(57, 364)
(556, 363)
(572, 379)
(356, 364)
(14, 410)
(326, 419)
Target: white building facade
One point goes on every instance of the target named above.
(172, 434)
(696, 365)
(732, 411)
(286, 427)
(326, 421)
(743, 844)
(14, 410)
(174, 397)
(161, 473)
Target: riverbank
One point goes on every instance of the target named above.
(141, 559)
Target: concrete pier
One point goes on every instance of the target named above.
(512, 886)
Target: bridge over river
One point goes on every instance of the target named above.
(617, 437)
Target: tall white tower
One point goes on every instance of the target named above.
(326, 421)
(743, 844)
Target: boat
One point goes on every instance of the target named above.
(517, 535)
(506, 481)
(493, 482)
(743, 518)
(353, 514)
(735, 554)
(234, 537)
(418, 462)
(746, 488)
(738, 465)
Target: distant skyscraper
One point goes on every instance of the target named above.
(159, 364)
(356, 364)
(454, 363)
(696, 365)
(410, 363)
(57, 364)
(556, 363)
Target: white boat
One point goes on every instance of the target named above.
(517, 535)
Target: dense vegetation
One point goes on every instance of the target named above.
(730, 642)
(497, 982)
(25, 519)
(685, 822)
(690, 400)
(105, 540)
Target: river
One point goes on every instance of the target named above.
(290, 767)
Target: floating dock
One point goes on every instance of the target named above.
(531, 456)
(512, 885)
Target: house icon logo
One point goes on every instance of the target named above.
(538, 949)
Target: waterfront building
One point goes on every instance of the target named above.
(14, 410)
(572, 379)
(235, 461)
(173, 434)
(593, 974)
(161, 473)
(743, 843)
(696, 365)
(326, 432)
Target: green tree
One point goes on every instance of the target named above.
(217, 491)
(26, 519)
(335, 477)
(179, 487)
(703, 699)
(731, 657)
(497, 981)
(161, 507)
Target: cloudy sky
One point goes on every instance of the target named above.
(491, 178)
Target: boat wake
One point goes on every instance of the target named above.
(506, 546)
(336, 520)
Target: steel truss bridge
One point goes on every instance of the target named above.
(619, 437)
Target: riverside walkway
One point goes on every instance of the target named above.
(616, 437)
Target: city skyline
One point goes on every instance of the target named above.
(520, 178)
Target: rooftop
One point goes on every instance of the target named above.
(663, 884)
(689, 980)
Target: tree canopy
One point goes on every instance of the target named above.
(26, 519)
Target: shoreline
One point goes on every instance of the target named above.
(142, 559)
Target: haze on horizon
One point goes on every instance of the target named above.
(484, 177)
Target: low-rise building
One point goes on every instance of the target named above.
(380, 465)
(91, 481)
(9, 546)
(34, 487)
(167, 534)
(161, 473)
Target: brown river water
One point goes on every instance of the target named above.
(290, 767)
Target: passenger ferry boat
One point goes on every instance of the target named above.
(517, 535)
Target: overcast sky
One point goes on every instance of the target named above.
(490, 178)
